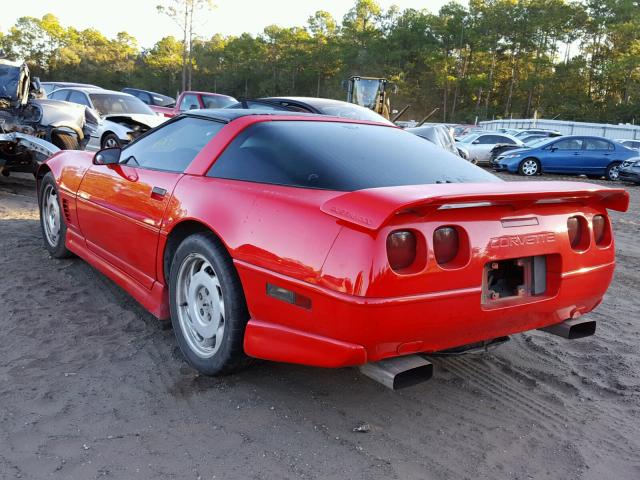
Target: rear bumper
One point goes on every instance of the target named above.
(342, 330)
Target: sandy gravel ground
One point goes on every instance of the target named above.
(92, 387)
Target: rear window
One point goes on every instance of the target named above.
(217, 101)
(339, 156)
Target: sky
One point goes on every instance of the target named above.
(140, 18)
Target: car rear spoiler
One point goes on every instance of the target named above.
(372, 208)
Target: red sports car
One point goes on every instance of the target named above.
(327, 242)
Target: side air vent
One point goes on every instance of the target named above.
(65, 209)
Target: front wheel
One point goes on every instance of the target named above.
(110, 140)
(54, 228)
(613, 171)
(529, 167)
(208, 308)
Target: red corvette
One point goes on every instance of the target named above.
(325, 241)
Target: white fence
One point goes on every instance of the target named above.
(569, 128)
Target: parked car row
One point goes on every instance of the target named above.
(595, 157)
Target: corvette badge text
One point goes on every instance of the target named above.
(522, 240)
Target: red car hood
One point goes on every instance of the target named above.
(372, 208)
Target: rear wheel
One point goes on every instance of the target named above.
(208, 309)
(54, 228)
(529, 167)
(613, 171)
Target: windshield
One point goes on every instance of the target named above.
(348, 110)
(540, 142)
(365, 93)
(114, 104)
(9, 80)
(339, 156)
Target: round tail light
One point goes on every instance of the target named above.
(445, 244)
(401, 249)
(599, 229)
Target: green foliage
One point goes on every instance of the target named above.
(492, 58)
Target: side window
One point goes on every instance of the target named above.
(485, 139)
(173, 146)
(568, 144)
(59, 95)
(189, 102)
(79, 97)
(505, 140)
(596, 144)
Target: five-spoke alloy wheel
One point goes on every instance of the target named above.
(52, 223)
(200, 305)
(208, 308)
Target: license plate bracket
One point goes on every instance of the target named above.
(514, 278)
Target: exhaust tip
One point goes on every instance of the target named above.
(572, 329)
(399, 372)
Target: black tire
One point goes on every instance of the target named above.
(229, 356)
(611, 173)
(110, 140)
(529, 167)
(65, 141)
(56, 248)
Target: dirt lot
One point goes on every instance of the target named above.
(91, 386)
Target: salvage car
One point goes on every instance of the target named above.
(124, 117)
(439, 135)
(34, 128)
(193, 100)
(157, 102)
(260, 238)
(595, 157)
(322, 106)
(630, 171)
(50, 87)
(480, 145)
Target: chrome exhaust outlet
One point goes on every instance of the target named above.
(572, 329)
(399, 372)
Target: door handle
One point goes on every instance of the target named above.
(158, 193)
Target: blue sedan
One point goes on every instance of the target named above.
(592, 156)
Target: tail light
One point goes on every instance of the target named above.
(445, 244)
(401, 249)
(600, 230)
(578, 235)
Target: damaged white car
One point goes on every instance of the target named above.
(32, 128)
(123, 117)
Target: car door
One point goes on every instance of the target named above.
(563, 156)
(121, 206)
(597, 154)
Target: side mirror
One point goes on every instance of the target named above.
(475, 142)
(107, 156)
(193, 107)
(553, 149)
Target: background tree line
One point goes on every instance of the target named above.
(577, 60)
